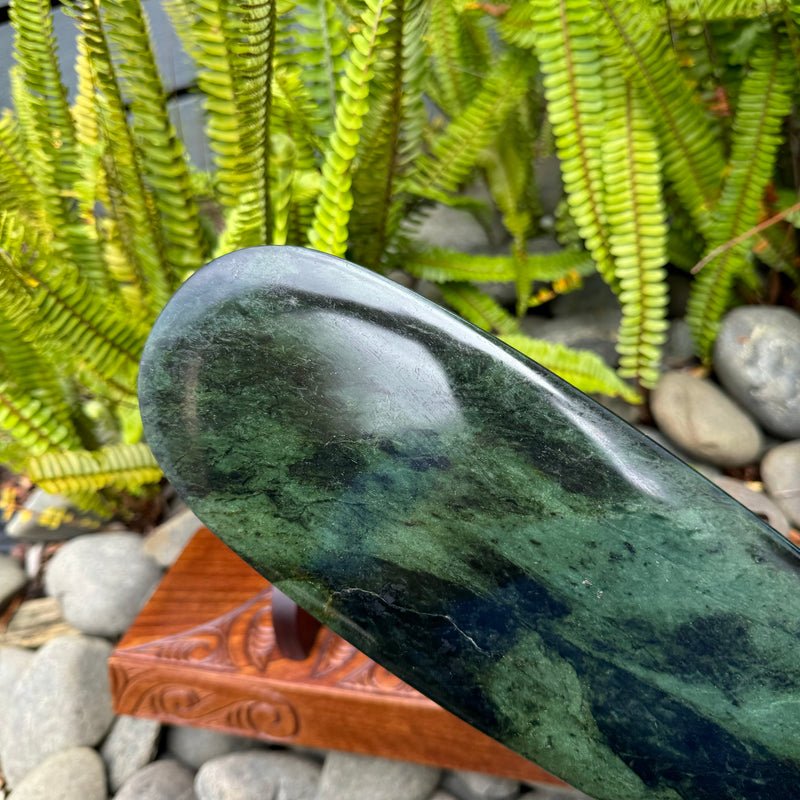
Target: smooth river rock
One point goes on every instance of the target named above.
(101, 581)
(757, 359)
(348, 776)
(780, 471)
(256, 774)
(73, 774)
(161, 780)
(130, 745)
(61, 700)
(697, 415)
(481, 528)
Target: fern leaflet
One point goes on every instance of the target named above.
(764, 100)
(637, 231)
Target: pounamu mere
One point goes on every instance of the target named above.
(481, 528)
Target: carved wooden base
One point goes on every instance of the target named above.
(202, 652)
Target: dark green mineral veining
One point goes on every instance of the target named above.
(481, 528)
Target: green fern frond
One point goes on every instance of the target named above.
(132, 204)
(723, 9)
(582, 368)
(508, 165)
(693, 157)
(460, 56)
(478, 308)
(442, 266)
(232, 45)
(455, 152)
(392, 138)
(52, 157)
(17, 186)
(37, 55)
(58, 308)
(295, 144)
(32, 423)
(320, 39)
(567, 45)
(125, 467)
(637, 230)
(764, 101)
(250, 34)
(517, 26)
(23, 365)
(163, 160)
(329, 231)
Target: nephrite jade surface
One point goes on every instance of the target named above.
(484, 530)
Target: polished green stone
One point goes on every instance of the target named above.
(481, 528)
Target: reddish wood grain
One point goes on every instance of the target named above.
(202, 652)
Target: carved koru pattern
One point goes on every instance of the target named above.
(242, 638)
(356, 671)
(269, 713)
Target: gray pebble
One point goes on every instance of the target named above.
(757, 359)
(698, 416)
(130, 745)
(780, 471)
(757, 502)
(73, 774)
(194, 746)
(13, 663)
(477, 786)
(347, 776)
(12, 578)
(443, 795)
(101, 581)
(166, 542)
(161, 780)
(61, 700)
(258, 774)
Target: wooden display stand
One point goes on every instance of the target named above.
(203, 652)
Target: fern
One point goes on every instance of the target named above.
(456, 151)
(16, 183)
(581, 368)
(32, 423)
(60, 310)
(162, 156)
(441, 266)
(122, 467)
(637, 231)
(321, 34)
(509, 172)
(478, 308)
(764, 101)
(52, 159)
(132, 205)
(460, 55)
(376, 171)
(565, 36)
(232, 45)
(329, 231)
(693, 157)
(723, 9)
